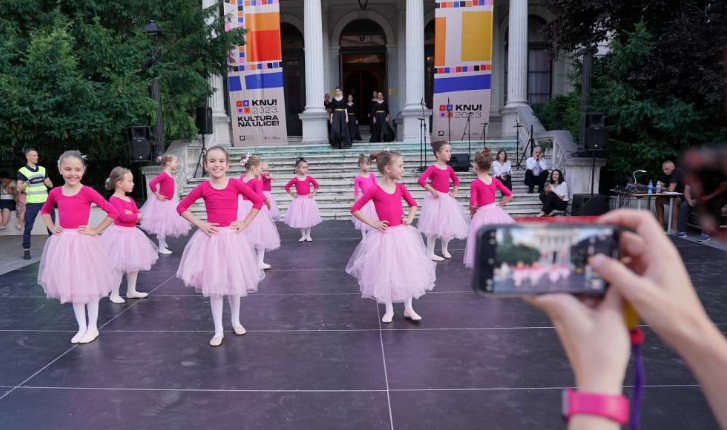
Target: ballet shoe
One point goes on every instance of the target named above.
(78, 336)
(89, 337)
(136, 295)
(165, 251)
(302, 239)
(412, 315)
(115, 298)
(265, 266)
(435, 257)
(446, 254)
(388, 318)
(216, 341)
(239, 330)
(309, 239)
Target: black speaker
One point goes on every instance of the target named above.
(589, 205)
(204, 120)
(139, 143)
(596, 132)
(460, 162)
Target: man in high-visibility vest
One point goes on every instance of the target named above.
(34, 182)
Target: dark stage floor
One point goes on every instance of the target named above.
(315, 356)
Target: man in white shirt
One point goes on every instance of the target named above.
(537, 170)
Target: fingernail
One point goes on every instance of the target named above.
(597, 260)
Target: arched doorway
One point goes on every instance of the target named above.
(293, 76)
(363, 62)
(429, 64)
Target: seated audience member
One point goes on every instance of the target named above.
(537, 170)
(7, 199)
(503, 169)
(671, 180)
(555, 194)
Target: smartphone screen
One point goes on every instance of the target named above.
(520, 259)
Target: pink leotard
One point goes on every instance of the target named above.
(363, 184)
(121, 206)
(439, 178)
(482, 194)
(166, 185)
(388, 206)
(221, 205)
(267, 182)
(73, 211)
(255, 185)
(302, 187)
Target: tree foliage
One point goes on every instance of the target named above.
(662, 81)
(75, 74)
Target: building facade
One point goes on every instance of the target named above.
(388, 45)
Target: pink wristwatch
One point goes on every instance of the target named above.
(615, 408)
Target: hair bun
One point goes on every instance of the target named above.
(159, 159)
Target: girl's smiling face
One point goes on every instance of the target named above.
(72, 170)
(217, 163)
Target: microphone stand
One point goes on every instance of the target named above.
(518, 162)
(422, 139)
(468, 132)
(484, 134)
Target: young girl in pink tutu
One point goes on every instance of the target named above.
(130, 250)
(159, 215)
(303, 211)
(218, 260)
(262, 233)
(364, 181)
(391, 263)
(442, 216)
(268, 179)
(482, 203)
(75, 266)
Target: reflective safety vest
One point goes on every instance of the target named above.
(35, 189)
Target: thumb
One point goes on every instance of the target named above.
(629, 285)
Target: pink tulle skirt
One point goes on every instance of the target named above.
(443, 218)
(261, 233)
(392, 266)
(129, 248)
(220, 264)
(273, 212)
(76, 268)
(369, 210)
(486, 215)
(160, 217)
(303, 213)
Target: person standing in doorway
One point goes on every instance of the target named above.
(33, 181)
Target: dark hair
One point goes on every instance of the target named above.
(298, 161)
(483, 161)
(166, 159)
(362, 158)
(72, 154)
(217, 148)
(253, 161)
(116, 175)
(25, 152)
(501, 151)
(438, 145)
(4, 175)
(384, 158)
(337, 88)
(561, 177)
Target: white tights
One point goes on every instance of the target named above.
(80, 310)
(216, 305)
(305, 233)
(162, 242)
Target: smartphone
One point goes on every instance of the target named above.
(517, 259)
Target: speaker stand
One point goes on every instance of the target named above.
(200, 159)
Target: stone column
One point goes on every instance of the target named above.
(221, 129)
(414, 71)
(314, 118)
(517, 64)
(401, 42)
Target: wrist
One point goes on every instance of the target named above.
(698, 339)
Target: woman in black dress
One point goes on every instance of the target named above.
(339, 122)
(353, 119)
(382, 132)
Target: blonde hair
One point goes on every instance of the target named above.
(166, 159)
(384, 158)
(117, 175)
(72, 154)
(253, 161)
(217, 148)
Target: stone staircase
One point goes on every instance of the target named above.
(335, 170)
